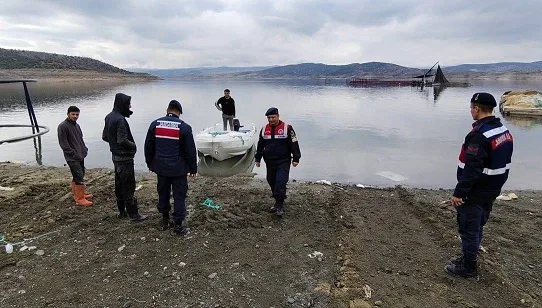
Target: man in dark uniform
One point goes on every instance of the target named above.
(123, 148)
(226, 104)
(279, 147)
(484, 164)
(170, 152)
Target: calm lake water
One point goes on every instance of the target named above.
(355, 135)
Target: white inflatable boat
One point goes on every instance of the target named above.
(221, 145)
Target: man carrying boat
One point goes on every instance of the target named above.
(226, 104)
(278, 146)
(70, 138)
(484, 164)
(170, 152)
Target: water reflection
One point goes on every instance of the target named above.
(49, 94)
(437, 90)
(37, 148)
(523, 122)
(426, 90)
(209, 166)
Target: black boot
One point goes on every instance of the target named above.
(165, 223)
(133, 212)
(138, 217)
(465, 269)
(122, 215)
(179, 230)
(279, 209)
(273, 209)
(122, 210)
(456, 260)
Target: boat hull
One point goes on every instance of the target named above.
(222, 145)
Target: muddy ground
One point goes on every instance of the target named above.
(380, 247)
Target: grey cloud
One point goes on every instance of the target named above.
(266, 32)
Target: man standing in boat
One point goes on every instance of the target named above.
(484, 164)
(279, 147)
(70, 138)
(170, 152)
(226, 104)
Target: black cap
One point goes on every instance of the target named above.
(483, 99)
(175, 104)
(271, 111)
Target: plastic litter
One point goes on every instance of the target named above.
(9, 248)
(368, 291)
(210, 204)
(510, 196)
(361, 186)
(6, 188)
(316, 254)
(326, 182)
(139, 187)
(392, 176)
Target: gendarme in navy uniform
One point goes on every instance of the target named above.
(278, 146)
(170, 152)
(484, 164)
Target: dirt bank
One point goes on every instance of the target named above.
(64, 75)
(389, 243)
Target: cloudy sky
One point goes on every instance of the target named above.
(191, 33)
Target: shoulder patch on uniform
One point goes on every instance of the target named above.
(472, 149)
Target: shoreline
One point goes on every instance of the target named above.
(252, 174)
(393, 240)
(64, 75)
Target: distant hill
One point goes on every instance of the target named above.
(198, 71)
(23, 59)
(501, 67)
(319, 70)
(386, 70)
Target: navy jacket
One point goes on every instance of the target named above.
(169, 147)
(484, 161)
(117, 131)
(277, 144)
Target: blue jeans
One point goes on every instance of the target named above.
(471, 218)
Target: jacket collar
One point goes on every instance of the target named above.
(483, 121)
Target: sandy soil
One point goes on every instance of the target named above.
(380, 247)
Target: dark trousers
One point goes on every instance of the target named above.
(278, 173)
(180, 187)
(77, 169)
(125, 187)
(471, 218)
(227, 119)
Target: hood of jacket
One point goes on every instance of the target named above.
(122, 104)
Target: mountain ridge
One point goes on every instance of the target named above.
(13, 59)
